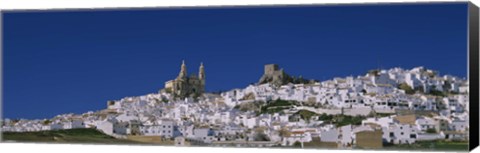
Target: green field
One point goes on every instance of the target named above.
(432, 145)
(65, 136)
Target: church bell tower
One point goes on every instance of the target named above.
(183, 71)
(201, 76)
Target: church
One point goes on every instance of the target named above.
(187, 86)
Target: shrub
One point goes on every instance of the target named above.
(406, 88)
(297, 144)
(437, 93)
(306, 115)
(374, 72)
(431, 130)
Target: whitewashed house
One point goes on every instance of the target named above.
(400, 134)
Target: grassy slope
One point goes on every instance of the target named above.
(432, 145)
(151, 140)
(65, 136)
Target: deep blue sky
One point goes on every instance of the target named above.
(61, 62)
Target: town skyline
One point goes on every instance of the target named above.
(246, 85)
(381, 109)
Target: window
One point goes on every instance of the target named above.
(413, 136)
(401, 133)
(391, 134)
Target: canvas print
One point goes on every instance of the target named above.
(359, 76)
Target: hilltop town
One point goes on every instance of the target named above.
(383, 107)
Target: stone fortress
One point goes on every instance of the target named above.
(276, 76)
(273, 74)
(187, 86)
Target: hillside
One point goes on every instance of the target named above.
(65, 136)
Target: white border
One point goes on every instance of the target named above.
(18, 5)
(88, 4)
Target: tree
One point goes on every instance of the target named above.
(406, 88)
(306, 115)
(297, 144)
(46, 122)
(165, 100)
(260, 136)
(437, 93)
(431, 130)
(431, 74)
(363, 91)
(325, 117)
(374, 72)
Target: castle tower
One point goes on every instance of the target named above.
(183, 71)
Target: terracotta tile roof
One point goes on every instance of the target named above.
(297, 132)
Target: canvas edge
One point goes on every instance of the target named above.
(473, 74)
